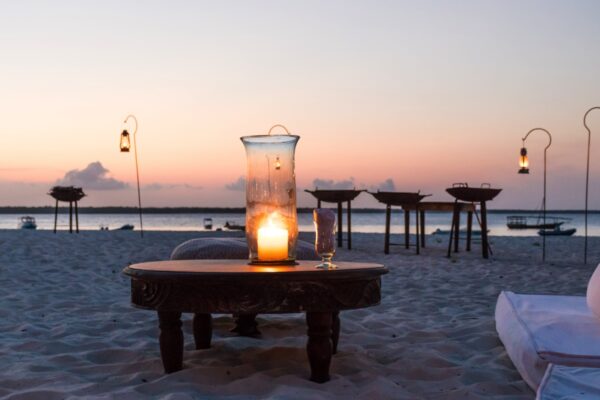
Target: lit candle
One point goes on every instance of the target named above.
(272, 242)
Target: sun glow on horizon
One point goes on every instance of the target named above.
(423, 95)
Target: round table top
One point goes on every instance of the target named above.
(241, 269)
(233, 286)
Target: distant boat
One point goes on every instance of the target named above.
(27, 223)
(232, 226)
(533, 222)
(208, 223)
(557, 232)
(126, 227)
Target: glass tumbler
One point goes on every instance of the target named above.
(325, 225)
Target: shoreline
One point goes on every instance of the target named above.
(242, 210)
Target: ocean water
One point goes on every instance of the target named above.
(361, 222)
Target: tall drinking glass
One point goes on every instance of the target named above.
(324, 220)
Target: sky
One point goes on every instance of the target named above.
(394, 95)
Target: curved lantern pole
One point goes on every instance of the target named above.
(137, 170)
(587, 180)
(525, 170)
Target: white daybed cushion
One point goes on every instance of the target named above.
(593, 292)
(537, 330)
(563, 383)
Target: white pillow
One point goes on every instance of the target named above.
(593, 292)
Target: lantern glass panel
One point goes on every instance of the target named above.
(125, 144)
(271, 217)
(523, 162)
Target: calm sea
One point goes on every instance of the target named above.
(361, 222)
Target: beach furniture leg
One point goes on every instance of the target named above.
(76, 218)
(335, 331)
(70, 217)
(388, 214)
(348, 210)
(319, 346)
(484, 236)
(457, 233)
(422, 216)
(417, 235)
(340, 226)
(469, 229)
(55, 215)
(245, 325)
(452, 228)
(171, 340)
(202, 324)
(406, 228)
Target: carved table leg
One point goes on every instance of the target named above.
(202, 330)
(335, 331)
(245, 325)
(319, 347)
(171, 340)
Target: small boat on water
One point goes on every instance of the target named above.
(126, 227)
(533, 222)
(232, 226)
(208, 224)
(27, 222)
(557, 232)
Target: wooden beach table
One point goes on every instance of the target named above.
(205, 287)
(447, 206)
(404, 200)
(481, 195)
(68, 194)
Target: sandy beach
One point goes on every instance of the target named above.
(68, 329)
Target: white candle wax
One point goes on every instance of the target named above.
(272, 243)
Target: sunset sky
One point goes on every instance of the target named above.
(422, 93)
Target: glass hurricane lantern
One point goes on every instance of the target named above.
(271, 218)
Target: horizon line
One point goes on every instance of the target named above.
(238, 210)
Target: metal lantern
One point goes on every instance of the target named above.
(524, 169)
(125, 144)
(523, 161)
(271, 218)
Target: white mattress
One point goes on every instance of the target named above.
(538, 329)
(561, 383)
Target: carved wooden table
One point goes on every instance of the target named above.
(204, 287)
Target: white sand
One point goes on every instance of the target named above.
(67, 328)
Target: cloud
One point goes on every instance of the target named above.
(385, 186)
(92, 177)
(350, 183)
(238, 185)
(319, 183)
